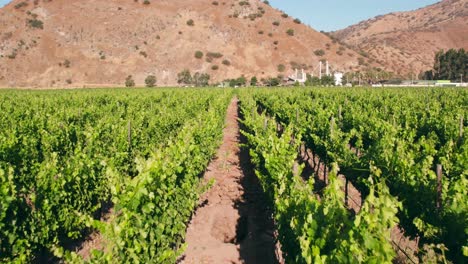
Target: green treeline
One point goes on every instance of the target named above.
(451, 65)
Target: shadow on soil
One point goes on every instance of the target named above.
(255, 231)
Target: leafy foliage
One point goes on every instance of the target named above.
(404, 138)
(450, 65)
(76, 151)
(313, 230)
(150, 81)
(129, 82)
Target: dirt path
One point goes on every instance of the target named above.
(233, 223)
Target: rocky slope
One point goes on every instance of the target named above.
(406, 42)
(62, 43)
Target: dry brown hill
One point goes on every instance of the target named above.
(99, 42)
(406, 42)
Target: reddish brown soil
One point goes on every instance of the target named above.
(233, 224)
(95, 241)
(137, 39)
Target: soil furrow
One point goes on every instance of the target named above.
(234, 225)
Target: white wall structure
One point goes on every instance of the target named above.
(299, 76)
(338, 78)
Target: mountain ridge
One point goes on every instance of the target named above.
(100, 43)
(406, 42)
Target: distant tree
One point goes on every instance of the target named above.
(241, 81)
(328, 80)
(129, 82)
(427, 75)
(253, 81)
(201, 79)
(451, 65)
(184, 77)
(150, 81)
(312, 81)
(272, 81)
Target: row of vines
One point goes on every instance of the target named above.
(67, 157)
(388, 143)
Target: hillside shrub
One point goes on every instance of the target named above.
(198, 54)
(319, 52)
(190, 22)
(281, 68)
(150, 81)
(36, 23)
(66, 63)
(215, 55)
(290, 32)
(21, 4)
(129, 82)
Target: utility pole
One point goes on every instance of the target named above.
(328, 69)
(320, 70)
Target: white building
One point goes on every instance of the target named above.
(338, 78)
(298, 76)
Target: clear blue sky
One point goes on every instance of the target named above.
(331, 15)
